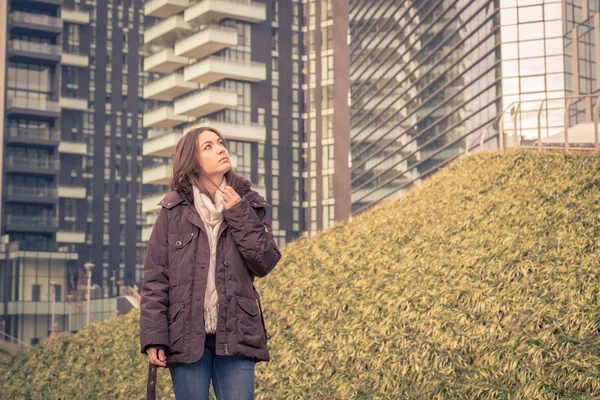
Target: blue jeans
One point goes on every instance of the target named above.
(232, 377)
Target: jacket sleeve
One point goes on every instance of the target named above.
(155, 287)
(252, 233)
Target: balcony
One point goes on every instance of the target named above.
(31, 223)
(67, 147)
(68, 236)
(167, 32)
(150, 203)
(23, 50)
(75, 16)
(41, 166)
(31, 194)
(168, 88)
(73, 103)
(205, 102)
(246, 132)
(72, 191)
(165, 61)
(32, 107)
(30, 135)
(211, 11)
(207, 41)
(161, 145)
(163, 117)
(47, 2)
(157, 175)
(73, 58)
(21, 21)
(214, 69)
(164, 8)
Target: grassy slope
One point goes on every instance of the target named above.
(482, 283)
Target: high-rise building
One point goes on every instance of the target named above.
(424, 77)
(233, 65)
(428, 78)
(326, 118)
(71, 159)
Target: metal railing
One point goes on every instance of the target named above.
(515, 109)
(48, 222)
(14, 161)
(34, 47)
(31, 191)
(32, 104)
(38, 19)
(33, 133)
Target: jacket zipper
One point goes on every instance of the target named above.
(192, 290)
(226, 331)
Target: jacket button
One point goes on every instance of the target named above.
(226, 263)
(229, 328)
(223, 234)
(178, 243)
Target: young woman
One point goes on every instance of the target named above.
(200, 312)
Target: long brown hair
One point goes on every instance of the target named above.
(187, 170)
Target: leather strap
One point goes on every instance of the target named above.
(151, 388)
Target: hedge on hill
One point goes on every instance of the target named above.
(482, 283)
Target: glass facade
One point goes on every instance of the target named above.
(326, 117)
(581, 44)
(424, 78)
(428, 80)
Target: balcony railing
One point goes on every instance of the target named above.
(37, 19)
(14, 161)
(31, 191)
(48, 222)
(33, 104)
(31, 245)
(34, 133)
(33, 47)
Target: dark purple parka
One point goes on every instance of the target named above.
(175, 275)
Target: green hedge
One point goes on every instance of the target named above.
(482, 283)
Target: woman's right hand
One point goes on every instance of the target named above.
(157, 357)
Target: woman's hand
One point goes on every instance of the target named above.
(230, 198)
(157, 357)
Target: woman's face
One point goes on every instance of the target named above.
(212, 154)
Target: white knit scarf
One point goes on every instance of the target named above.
(212, 216)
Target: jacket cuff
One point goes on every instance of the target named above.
(154, 346)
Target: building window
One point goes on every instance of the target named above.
(57, 292)
(36, 292)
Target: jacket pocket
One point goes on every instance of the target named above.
(180, 240)
(179, 251)
(176, 318)
(249, 331)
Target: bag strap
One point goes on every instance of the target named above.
(151, 388)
